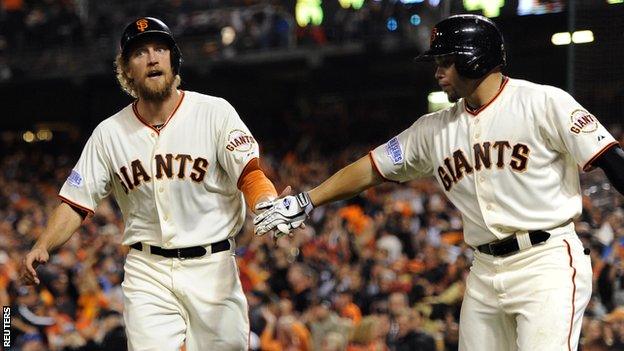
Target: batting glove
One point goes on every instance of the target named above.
(283, 214)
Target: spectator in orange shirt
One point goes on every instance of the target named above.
(284, 334)
(345, 306)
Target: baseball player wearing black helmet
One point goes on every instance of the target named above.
(506, 154)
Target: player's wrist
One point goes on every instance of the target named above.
(265, 198)
(305, 202)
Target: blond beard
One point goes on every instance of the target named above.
(160, 92)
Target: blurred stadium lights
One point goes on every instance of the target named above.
(392, 24)
(40, 135)
(415, 20)
(355, 4)
(578, 37)
(437, 100)
(28, 136)
(582, 36)
(562, 38)
(228, 34)
(531, 7)
(615, 1)
(308, 12)
(44, 135)
(490, 8)
(434, 3)
(411, 1)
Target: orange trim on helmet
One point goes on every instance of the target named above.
(138, 115)
(477, 111)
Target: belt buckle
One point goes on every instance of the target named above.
(491, 248)
(179, 256)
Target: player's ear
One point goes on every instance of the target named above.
(127, 72)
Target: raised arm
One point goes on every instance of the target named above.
(346, 183)
(285, 214)
(61, 225)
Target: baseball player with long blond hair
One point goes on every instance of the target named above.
(181, 166)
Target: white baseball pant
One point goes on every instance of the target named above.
(196, 301)
(530, 301)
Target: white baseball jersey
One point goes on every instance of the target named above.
(509, 166)
(177, 186)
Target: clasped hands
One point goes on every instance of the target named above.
(282, 215)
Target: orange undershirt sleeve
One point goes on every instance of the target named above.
(254, 184)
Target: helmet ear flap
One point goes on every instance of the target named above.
(176, 60)
(469, 66)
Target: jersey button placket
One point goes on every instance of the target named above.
(160, 196)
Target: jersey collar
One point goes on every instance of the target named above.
(477, 111)
(142, 120)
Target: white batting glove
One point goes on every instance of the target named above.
(282, 215)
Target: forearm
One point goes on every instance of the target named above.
(346, 183)
(63, 222)
(612, 163)
(255, 186)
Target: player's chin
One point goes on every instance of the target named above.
(452, 97)
(158, 90)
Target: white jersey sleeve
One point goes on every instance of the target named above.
(236, 146)
(89, 181)
(572, 129)
(406, 156)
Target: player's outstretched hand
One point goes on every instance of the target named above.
(28, 273)
(282, 215)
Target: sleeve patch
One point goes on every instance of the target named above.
(75, 179)
(394, 151)
(239, 141)
(582, 121)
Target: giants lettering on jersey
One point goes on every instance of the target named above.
(168, 165)
(485, 155)
(240, 141)
(583, 121)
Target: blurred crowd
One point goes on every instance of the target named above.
(383, 271)
(215, 29)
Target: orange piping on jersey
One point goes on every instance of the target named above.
(70, 202)
(136, 113)
(588, 165)
(477, 111)
(573, 295)
(370, 154)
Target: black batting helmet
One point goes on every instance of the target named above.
(474, 40)
(146, 27)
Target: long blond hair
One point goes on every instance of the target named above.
(126, 83)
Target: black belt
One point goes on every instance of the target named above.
(510, 245)
(185, 252)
